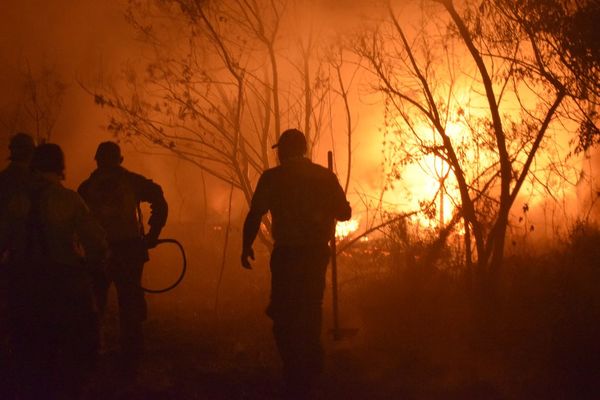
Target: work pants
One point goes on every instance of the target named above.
(5, 380)
(297, 286)
(124, 269)
(53, 331)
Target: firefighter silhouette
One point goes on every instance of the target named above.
(53, 244)
(114, 194)
(304, 200)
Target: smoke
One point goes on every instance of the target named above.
(343, 16)
(70, 41)
(588, 186)
(67, 43)
(76, 42)
(58, 42)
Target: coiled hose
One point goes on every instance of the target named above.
(183, 268)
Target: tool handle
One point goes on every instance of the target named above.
(334, 283)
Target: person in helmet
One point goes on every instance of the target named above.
(13, 179)
(16, 175)
(53, 244)
(304, 200)
(114, 194)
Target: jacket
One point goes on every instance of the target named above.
(114, 195)
(304, 199)
(50, 224)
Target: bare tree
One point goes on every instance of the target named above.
(37, 108)
(222, 79)
(479, 70)
(566, 30)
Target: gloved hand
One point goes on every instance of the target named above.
(247, 252)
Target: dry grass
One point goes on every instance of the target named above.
(424, 333)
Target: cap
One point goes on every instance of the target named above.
(292, 141)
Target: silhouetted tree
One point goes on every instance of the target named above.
(38, 105)
(222, 80)
(568, 31)
(477, 87)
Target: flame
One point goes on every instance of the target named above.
(423, 178)
(345, 228)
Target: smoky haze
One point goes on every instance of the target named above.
(72, 40)
(82, 42)
(423, 333)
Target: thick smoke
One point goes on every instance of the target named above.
(72, 43)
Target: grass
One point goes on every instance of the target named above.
(424, 332)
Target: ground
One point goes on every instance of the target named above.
(201, 354)
(422, 333)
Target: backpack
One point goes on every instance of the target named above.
(112, 199)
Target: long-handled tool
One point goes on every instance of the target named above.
(338, 333)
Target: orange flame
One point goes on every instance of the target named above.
(343, 229)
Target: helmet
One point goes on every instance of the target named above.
(21, 147)
(48, 157)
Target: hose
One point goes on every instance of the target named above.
(183, 267)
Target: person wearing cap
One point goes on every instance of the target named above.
(53, 244)
(304, 200)
(114, 194)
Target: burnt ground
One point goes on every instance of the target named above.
(189, 357)
(423, 334)
(195, 351)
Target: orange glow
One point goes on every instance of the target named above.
(344, 228)
(424, 177)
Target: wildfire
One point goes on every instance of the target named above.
(430, 179)
(345, 228)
